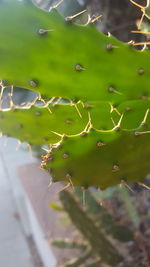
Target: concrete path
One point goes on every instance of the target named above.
(14, 249)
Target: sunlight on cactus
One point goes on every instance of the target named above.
(93, 91)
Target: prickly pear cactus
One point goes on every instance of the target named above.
(93, 104)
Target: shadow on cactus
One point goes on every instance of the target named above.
(92, 105)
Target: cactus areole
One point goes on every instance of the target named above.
(94, 101)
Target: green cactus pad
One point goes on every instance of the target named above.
(99, 134)
(41, 51)
(100, 159)
(100, 113)
(36, 125)
(136, 114)
(46, 125)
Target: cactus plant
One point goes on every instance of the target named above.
(98, 127)
(18, 123)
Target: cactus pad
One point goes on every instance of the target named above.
(37, 125)
(100, 159)
(41, 51)
(100, 136)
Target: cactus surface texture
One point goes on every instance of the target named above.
(93, 103)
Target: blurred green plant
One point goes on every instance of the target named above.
(98, 229)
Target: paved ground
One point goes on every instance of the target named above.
(14, 250)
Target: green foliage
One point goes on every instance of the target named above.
(94, 235)
(106, 222)
(106, 83)
(54, 206)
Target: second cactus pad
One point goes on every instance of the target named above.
(99, 159)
